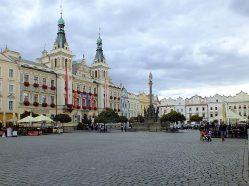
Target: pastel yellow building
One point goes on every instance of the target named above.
(144, 101)
(9, 87)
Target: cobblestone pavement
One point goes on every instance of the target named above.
(132, 158)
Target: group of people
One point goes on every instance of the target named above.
(206, 133)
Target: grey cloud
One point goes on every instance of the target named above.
(176, 40)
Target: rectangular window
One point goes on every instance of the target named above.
(26, 78)
(44, 81)
(95, 91)
(90, 89)
(10, 105)
(43, 99)
(244, 107)
(216, 114)
(211, 115)
(203, 115)
(197, 108)
(52, 99)
(78, 87)
(211, 108)
(189, 109)
(26, 97)
(239, 106)
(84, 88)
(36, 98)
(52, 82)
(216, 108)
(181, 110)
(203, 108)
(11, 73)
(230, 107)
(36, 79)
(11, 89)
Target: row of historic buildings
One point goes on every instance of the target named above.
(229, 109)
(56, 83)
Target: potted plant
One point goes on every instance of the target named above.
(78, 91)
(36, 104)
(44, 104)
(78, 107)
(36, 85)
(44, 86)
(52, 105)
(26, 103)
(26, 83)
(53, 87)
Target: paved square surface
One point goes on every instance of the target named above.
(132, 158)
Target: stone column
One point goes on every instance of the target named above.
(150, 85)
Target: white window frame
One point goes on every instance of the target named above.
(12, 90)
(11, 69)
(25, 95)
(37, 79)
(12, 105)
(25, 78)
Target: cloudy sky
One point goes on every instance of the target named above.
(190, 46)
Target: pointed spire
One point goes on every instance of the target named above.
(61, 38)
(99, 57)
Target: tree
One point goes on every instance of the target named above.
(27, 113)
(108, 116)
(85, 120)
(172, 117)
(123, 119)
(140, 118)
(196, 118)
(63, 118)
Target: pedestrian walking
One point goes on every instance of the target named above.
(122, 128)
(222, 130)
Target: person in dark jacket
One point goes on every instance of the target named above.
(222, 130)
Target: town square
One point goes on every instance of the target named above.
(108, 92)
(115, 158)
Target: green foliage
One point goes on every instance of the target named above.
(63, 118)
(123, 119)
(172, 117)
(139, 118)
(27, 113)
(196, 118)
(85, 120)
(132, 119)
(108, 116)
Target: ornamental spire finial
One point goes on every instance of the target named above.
(99, 31)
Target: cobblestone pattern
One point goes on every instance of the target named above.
(141, 158)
